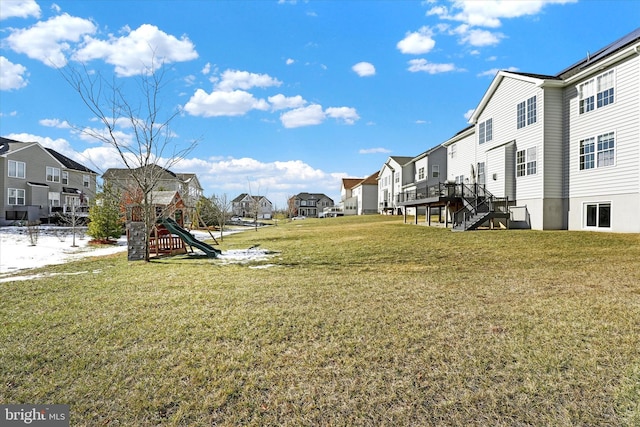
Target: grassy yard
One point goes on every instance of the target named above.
(360, 321)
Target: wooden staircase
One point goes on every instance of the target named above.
(479, 206)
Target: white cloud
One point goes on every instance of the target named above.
(234, 79)
(468, 114)
(55, 123)
(490, 12)
(346, 114)
(47, 41)
(492, 72)
(140, 51)
(281, 102)
(475, 37)
(377, 150)
(418, 65)
(290, 61)
(314, 115)
(220, 103)
(417, 43)
(206, 69)
(19, 9)
(364, 69)
(12, 76)
(304, 116)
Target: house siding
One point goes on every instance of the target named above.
(618, 184)
(459, 163)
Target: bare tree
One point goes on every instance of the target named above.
(150, 150)
(222, 207)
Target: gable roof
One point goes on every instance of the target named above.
(69, 163)
(370, 180)
(349, 183)
(9, 145)
(312, 196)
(125, 173)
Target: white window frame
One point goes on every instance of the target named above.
(65, 178)
(420, 173)
(52, 173)
(17, 169)
(597, 152)
(597, 92)
(435, 171)
(86, 181)
(453, 151)
(14, 193)
(526, 162)
(54, 199)
(485, 131)
(527, 112)
(596, 222)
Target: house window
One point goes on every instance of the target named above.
(54, 199)
(397, 179)
(459, 179)
(521, 114)
(598, 215)
(65, 178)
(527, 112)
(532, 161)
(605, 89)
(597, 93)
(435, 171)
(527, 162)
(53, 174)
(521, 163)
(420, 173)
(16, 169)
(532, 111)
(585, 93)
(453, 151)
(485, 131)
(587, 156)
(481, 173)
(85, 181)
(16, 196)
(606, 150)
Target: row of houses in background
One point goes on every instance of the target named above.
(548, 152)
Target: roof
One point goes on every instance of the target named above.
(68, 163)
(401, 160)
(165, 197)
(312, 196)
(7, 145)
(243, 196)
(601, 54)
(370, 180)
(125, 173)
(349, 183)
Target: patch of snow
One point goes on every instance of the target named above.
(54, 246)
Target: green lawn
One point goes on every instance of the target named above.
(361, 321)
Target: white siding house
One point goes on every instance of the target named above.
(602, 106)
(391, 178)
(564, 149)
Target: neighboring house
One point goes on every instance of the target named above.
(422, 172)
(550, 152)
(309, 204)
(359, 196)
(186, 184)
(348, 202)
(39, 183)
(394, 174)
(257, 207)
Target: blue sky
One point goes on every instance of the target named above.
(286, 96)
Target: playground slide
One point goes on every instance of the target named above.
(188, 238)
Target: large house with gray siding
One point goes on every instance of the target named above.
(551, 152)
(39, 184)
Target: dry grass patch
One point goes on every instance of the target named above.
(365, 321)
